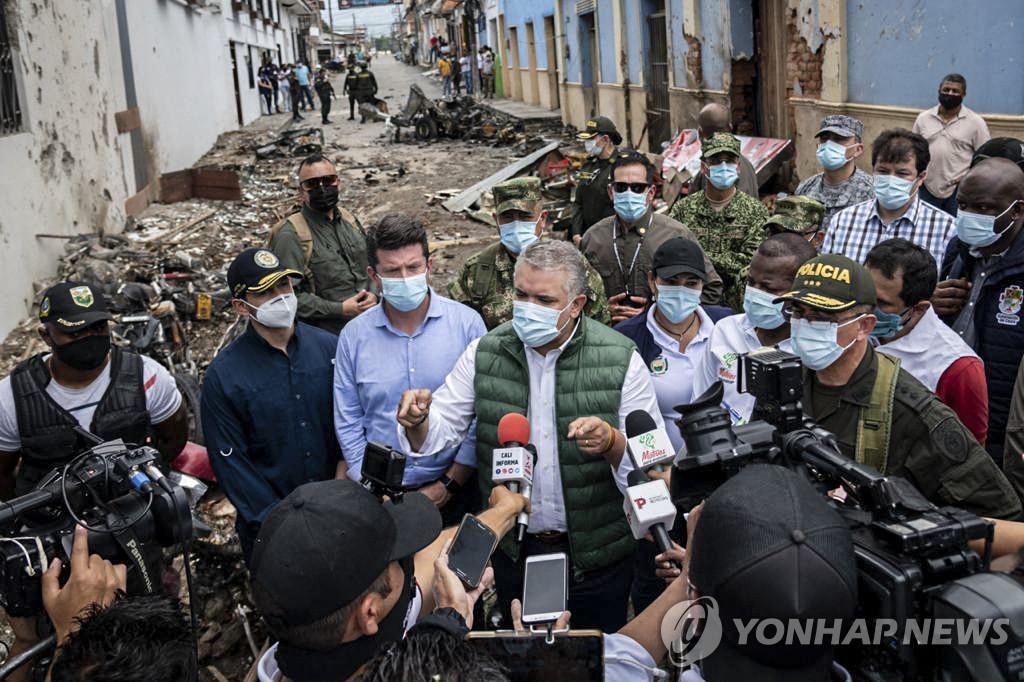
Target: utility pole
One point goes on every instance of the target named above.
(474, 72)
(330, 20)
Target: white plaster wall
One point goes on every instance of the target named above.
(64, 174)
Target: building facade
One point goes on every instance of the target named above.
(780, 65)
(100, 98)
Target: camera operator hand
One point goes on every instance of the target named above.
(663, 569)
(449, 592)
(517, 618)
(93, 580)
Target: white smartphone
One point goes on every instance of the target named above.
(544, 587)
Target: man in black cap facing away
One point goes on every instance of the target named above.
(337, 574)
(765, 545)
(600, 139)
(880, 414)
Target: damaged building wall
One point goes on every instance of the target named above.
(64, 172)
(524, 20)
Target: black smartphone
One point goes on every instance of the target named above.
(471, 549)
(544, 587)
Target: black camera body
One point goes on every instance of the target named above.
(913, 559)
(383, 471)
(119, 495)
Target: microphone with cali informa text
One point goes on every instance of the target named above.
(513, 462)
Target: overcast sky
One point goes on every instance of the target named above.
(378, 20)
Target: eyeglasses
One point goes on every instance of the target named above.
(321, 181)
(634, 187)
(811, 315)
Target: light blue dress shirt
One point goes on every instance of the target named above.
(376, 362)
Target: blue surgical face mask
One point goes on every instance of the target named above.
(676, 303)
(536, 325)
(831, 155)
(760, 310)
(977, 229)
(892, 192)
(889, 324)
(815, 342)
(629, 205)
(404, 293)
(724, 175)
(518, 234)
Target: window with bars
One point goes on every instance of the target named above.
(10, 107)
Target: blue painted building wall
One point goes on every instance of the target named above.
(677, 46)
(898, 50)
(741, 21)
(518, 13)
(714, 54)
(606, 38)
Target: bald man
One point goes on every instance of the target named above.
(714, 118)
(981, 289)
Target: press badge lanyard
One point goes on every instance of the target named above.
(626, 276)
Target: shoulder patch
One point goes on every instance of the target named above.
(950, 438)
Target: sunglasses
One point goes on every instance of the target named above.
(634, 187)
(321, 181)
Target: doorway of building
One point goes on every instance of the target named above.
(515, 81)
(234, 80)
(588, 62)
(531, 84)
(554, 73)
(770, 31)
(659, 115)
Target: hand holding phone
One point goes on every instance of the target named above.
(470, 550)
(544, 588)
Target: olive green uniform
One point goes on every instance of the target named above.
(1013, 449)
(729, 237)
(485, 285)
(607, 239)
(337, 266)
(591, 195)
(928, 445)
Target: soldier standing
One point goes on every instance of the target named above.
(485, 283)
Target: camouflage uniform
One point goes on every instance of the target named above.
(855, 189)
(486, 280)
(730, 237)
(800, 215)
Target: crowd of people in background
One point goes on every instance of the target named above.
(900, 290)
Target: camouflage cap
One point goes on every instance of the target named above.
(841, 125)
(720, 142)
(833, 283)
(798, 214)
(517, 194)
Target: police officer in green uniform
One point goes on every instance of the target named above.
(350, 90)
(328, 245)
(729, 224)
(600, 139)
(880, 415)
(800, 215)
(485, 282)
(366, 87)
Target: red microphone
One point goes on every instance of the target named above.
(513, 462)
(513, 430)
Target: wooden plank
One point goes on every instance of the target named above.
(215, 177)
(176, 186)
(127, 120)
(470, 196)
(137, 203)
(167, 236)
(219, 193)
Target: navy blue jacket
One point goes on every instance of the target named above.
(636, 329)
(999, 331)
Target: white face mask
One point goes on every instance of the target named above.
(278, 312)
(592, 146)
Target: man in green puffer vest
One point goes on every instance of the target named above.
(576, 380)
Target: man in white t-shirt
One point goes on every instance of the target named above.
(80, 382)
(771, 274)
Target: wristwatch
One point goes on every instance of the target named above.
(450, 484)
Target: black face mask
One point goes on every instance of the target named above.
(323, 199)
(340, 663)
(84, 354)
(950, 101)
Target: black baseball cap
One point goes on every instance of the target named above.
(1000, 147)
(326, 542)
(255, 270)
(832, 283)
(71, 306)
(600, 125)
(677, 256)
(769, 546)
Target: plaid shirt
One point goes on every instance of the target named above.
(855, 230)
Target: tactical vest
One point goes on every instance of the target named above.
(47, 429)
(588, 382)
(305, 236)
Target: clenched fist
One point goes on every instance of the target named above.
(414, 407)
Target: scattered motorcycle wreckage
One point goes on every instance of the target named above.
(458, 118)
